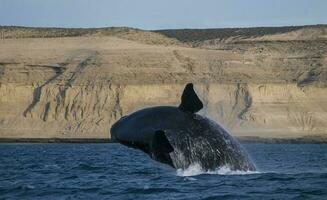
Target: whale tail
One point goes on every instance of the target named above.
(190, 102)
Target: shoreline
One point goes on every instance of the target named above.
(298, 140)
(247, 139)
(55, 140)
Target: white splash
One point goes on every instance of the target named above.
(196, 169)
(192, 170)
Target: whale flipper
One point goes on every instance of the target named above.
(161, 142)
(190, 102)
(161, 148)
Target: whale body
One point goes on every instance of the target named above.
(179, 137)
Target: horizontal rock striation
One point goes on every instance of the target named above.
(74, 83)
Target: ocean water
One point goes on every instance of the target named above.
(112, 171)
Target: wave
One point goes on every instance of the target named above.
(196, 169)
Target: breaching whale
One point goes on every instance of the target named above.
(179, 137)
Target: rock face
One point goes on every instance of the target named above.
(75, 83)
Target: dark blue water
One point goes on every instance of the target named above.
(112, 171)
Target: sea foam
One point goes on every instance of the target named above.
(196, 169)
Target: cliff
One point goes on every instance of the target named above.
(74, 83)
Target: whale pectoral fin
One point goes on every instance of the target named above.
(160, 148)
(160, 142)
(190, 100)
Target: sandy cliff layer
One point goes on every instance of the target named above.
(262, 82)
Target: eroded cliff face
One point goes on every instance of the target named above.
(76, 87)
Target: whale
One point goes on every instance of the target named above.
(180, 137)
